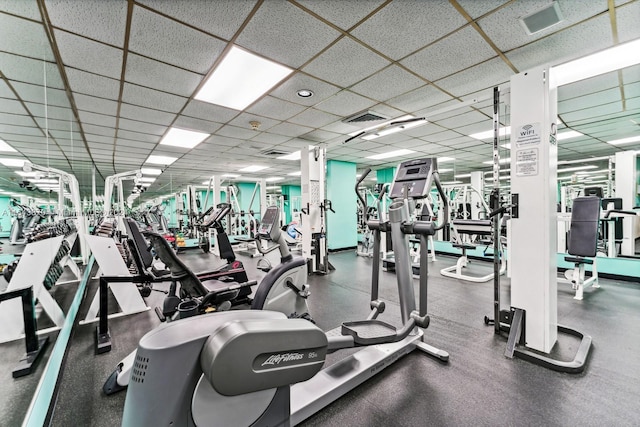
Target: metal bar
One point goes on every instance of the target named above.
(496, 202)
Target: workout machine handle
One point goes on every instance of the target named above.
(445, 203)
(358, 182)
(500, 211)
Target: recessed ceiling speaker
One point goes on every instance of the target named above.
(542, 19)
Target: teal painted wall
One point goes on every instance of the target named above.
(5, 216)
(385, 175)
(170, 212)
(341, 226)
(290, 191)
(245, 190)
(637, 181)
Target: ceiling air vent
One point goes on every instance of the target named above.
(364, 116)
(272, 152)
(542, 19)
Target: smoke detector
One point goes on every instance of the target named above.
(542, 19)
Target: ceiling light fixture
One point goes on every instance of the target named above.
(304, 93)
(292, 156)
(568, 135)
(183, 138)
(13, 163)
(240, 79)
(625, 140)
(395, 127)
(6, 147)
(298, 173)
(146, 179)
(464, 175)
(253, 168)
(395, 153)
(150, 171)
(504, 131)
(445, 159)
(274, 178)
(615, 58)
(160, 160)
(577, 168)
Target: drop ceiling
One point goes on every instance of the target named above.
(106, 80)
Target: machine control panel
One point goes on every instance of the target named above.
(268, 222)
(413, 178)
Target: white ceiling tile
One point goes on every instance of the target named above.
(283, 32)
(464, 119)
(144, 97)
(275, 108)
(243, 119)
(419, 99)
(56, 124)
(98, 130)
(52, 112)
(314, 118)
(476, 8)
(289, 88)
(631, 74)
(339, 127)
(36, 93)
(96, 105)
(271, 138)
(186, 122)
(435, 62)
(345, 63)
(488, 74)
(236, 132)
(404, 27)
(88, 55)
(30, 70)
(592, 85)
(156, 75)
(20, 130)
(627, 20)
(97, 119)
(345, 103)
(104, 21)
(320, 135)
(221, 18)
(27, 9)
(341, 13)
(157, 37)
(290, 129)
(15, 119)
(24, 37)
(589, 100)
(566, 45)
(11, 106)
(594, 112)
(141, 127)
(146, 114)
(206, 111)
(99, 139)
(388, 83)
(92, 84)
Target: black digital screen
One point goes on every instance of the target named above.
(270, 216)
(412, 171)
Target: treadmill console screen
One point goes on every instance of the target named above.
(414, 177)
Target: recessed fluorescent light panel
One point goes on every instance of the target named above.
(183, 138)
(146, 179)
(395, 129)
(379, 125)
(253, 168)
(292, 156)
(445, 159)
(489, 133)
(295, 173)
(625, 140)
(274, 178)
(6, 147)
(14, 163)
(231, 175)
(568, 135)
(615, 58)
(151, 171)
(577, 168)
(390, 154)
(160, 160)
(240, 79)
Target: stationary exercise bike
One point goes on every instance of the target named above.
(283, 289)
(258, 368)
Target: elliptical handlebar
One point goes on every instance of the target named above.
(358, 182)
(445, 203)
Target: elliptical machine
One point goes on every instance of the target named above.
(260, 368)
(283, 289)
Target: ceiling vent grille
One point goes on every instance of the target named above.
(542, 19)
(272, 152)
(364, 116)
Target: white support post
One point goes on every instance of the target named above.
(534, 159)
(312, 189)
(626, 189)
(477, 182)
(263, 196)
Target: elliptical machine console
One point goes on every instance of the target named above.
(202, 370)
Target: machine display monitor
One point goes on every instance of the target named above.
(413, 178)
(268, 221)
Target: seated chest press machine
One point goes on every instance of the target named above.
(260, 368)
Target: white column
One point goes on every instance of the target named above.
(626, 189)
(534, 159)
(477, 182)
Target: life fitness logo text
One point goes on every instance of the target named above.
(276, 359)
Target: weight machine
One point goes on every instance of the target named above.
(117, 181)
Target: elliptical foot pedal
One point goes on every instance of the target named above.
(370, 332)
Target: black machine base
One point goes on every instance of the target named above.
(30, 361)
(111, 386)
(103, 341)
(513, 321)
